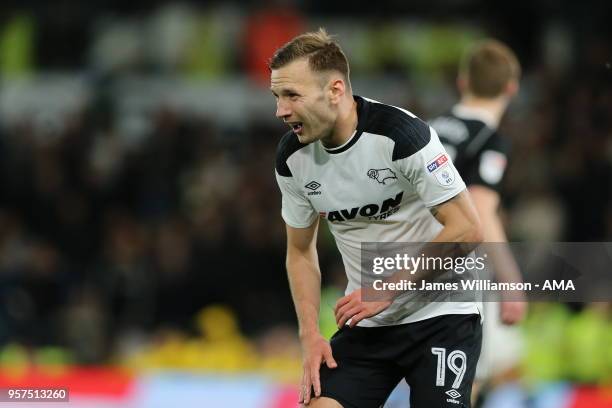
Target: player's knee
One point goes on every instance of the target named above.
(323, 402)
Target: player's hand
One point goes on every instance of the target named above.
(352, 307)
(316, 350)
(512, 313)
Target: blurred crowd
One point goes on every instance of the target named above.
(99, 238)
(109, 241)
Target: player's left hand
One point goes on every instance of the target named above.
(353, 307)
(512, 312)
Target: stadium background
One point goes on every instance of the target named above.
(141, 244)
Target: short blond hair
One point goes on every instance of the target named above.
(488, 66)
(323, 53)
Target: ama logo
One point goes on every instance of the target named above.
(381, 175)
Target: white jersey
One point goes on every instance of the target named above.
(377, 187)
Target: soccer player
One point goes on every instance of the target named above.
(488, 79)
(376, 173)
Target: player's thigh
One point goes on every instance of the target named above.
(362, 379)
(444, 376)
(323, 402)
(358, 384)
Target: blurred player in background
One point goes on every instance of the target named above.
(376, 173)
(488, 79)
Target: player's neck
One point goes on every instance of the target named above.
(345, 124)
(495, 107)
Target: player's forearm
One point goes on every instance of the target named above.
(459, 219)
(460, 232)
(465, 237)
(460, 229)
(305, 283)
(504, 264)
(492, 228)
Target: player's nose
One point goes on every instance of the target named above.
(282, 110)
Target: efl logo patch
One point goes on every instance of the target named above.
(436, 163)
(441, 170)
(492, 166)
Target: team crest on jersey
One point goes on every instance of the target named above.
(441, 170)
(382, 175)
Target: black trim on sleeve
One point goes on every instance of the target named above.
(288, 145)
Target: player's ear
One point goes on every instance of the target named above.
(337, 89)
(512, 88)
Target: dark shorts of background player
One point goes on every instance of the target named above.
(429, 354)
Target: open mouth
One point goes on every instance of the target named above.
(296, 127)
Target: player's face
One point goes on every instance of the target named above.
(302, 100)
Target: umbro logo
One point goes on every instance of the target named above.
(454, 394)
(314, 186)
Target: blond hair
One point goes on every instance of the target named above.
(323, 53)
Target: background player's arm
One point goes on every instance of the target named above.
(487, 201)
(305, 283)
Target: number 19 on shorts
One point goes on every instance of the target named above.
(456, 362)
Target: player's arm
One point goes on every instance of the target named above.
(304, 276)
(460, 220)
(305, 283)
(487, 202)
(461, 226)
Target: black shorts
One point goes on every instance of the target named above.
(437, 357)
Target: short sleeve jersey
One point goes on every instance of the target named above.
(377, 187)
(476, 148)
